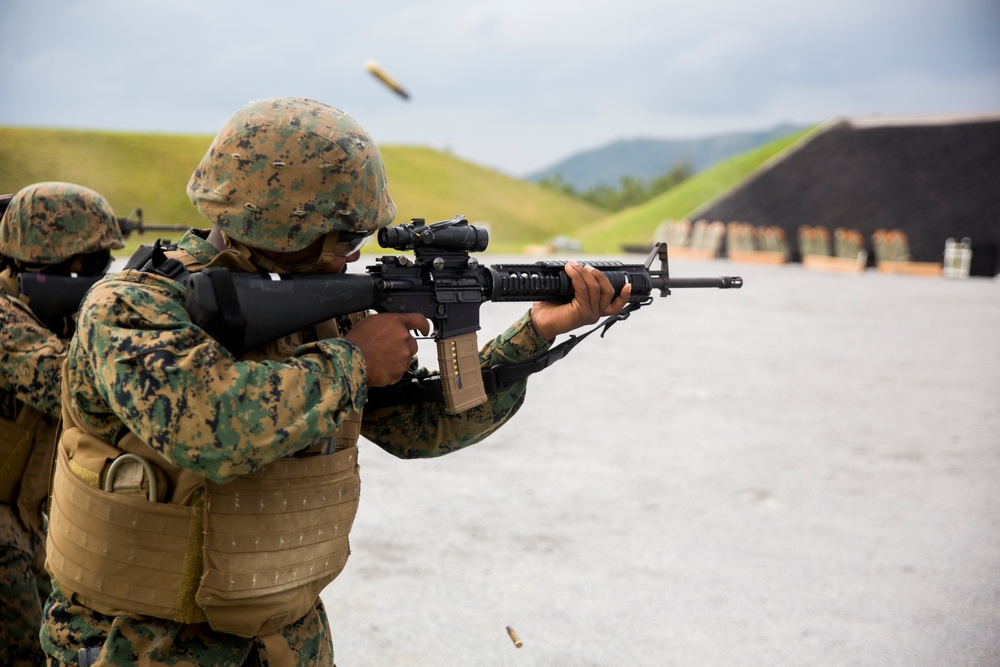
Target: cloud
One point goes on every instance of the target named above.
(515, 85)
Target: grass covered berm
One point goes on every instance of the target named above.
(147, 171)
(151, 171)
(428, 184)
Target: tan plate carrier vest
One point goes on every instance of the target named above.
(27, 444)
(248, 556)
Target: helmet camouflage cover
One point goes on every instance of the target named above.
(48, 223)
(283, 172)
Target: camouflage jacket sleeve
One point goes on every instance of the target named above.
(138, 363)
(425, 429)
(30, 357)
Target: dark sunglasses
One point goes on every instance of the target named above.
(352, 241)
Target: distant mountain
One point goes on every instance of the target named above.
(647, 158)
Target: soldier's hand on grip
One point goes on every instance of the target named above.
(593, 298)
(387, 345)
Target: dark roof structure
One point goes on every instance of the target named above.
(934, 178)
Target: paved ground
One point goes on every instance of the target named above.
(801, 473)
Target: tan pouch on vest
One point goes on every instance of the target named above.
(17, 442)
(123, 554)
(36, 480)
(15, 448)
(275, 539)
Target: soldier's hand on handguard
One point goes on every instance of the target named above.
(387, 345)
(593, 298)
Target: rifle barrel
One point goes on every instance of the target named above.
(721, 282)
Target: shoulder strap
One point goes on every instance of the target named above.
(153, 259)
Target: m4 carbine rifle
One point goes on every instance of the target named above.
(442, 281)
(54, 296)
(134, 223)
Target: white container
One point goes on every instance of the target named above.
(957, 258)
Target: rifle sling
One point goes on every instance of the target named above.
(229, 310)
(496, 378)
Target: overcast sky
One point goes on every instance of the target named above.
(515, 85)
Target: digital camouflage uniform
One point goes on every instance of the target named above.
(140, 377)
(44, 224)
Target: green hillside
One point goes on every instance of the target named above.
(151, 171)
(130, 170)
(432, 185)
(635, 226)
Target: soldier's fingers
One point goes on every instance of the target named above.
(416, 322)
(607, 293)
(601, 289)
(587, 288)
(576, 278)
(615, 306)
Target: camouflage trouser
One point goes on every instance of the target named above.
(128, 641)
(253, 660)
(23, 586)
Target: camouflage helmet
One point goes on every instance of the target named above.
(48, 223)
(284, 172)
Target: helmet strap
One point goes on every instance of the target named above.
(260, 262)
(238, 256)
(326, 256)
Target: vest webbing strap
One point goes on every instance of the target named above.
(274, 539)
(302, 507)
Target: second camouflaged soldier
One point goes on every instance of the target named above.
(201, 502)
(49, 228)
